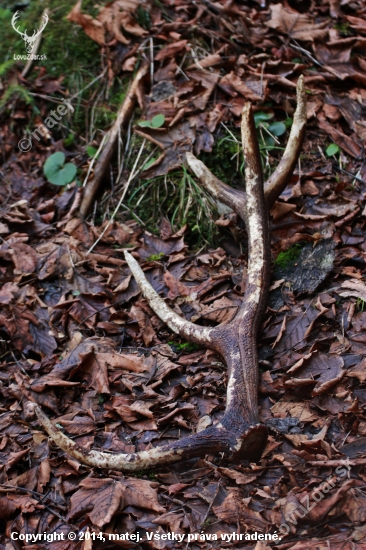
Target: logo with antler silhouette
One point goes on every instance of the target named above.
(29, 40)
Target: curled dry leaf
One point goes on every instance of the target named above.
(354, 287)
(92, 27)
(296, 25)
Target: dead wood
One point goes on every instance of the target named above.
(123, 116)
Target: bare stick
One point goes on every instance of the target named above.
(122, 119)
(133, 173)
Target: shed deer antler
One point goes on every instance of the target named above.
(29, 40)
(239, 433)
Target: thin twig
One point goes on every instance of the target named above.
(130, 178)
(297, 47)
(35, 494)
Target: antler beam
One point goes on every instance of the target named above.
(239, 433)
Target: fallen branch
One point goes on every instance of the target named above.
(123, 116)
(239, 434)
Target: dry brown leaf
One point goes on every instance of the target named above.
(296, 25)
(298, 410)
(239, 478)
(101, 499)
(325, 370)
(24, 258)
(171, 50)
(92, 27)
(7, 292)
(355, 288)
(348, 143)
(280, 209)
(96, 372)
(253, 92)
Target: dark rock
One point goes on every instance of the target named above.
(282, 425)
(307, 272)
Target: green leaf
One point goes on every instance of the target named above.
(269, 142)
(149, 163)
(288, 122)
(57, 160)
(332, 149)
(157, 121)
(261, 116)
(277, 128)
(91, 151)
(69, 140)
(57, 172)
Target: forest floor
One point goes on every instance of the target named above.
(76, 335)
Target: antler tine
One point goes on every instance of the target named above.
(234, 198)
(186, 329)
(282, 175)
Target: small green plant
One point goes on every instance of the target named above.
(155, 257)
(69, 140)
(360, 304)
(156, 122)
(332, 150)
(5, 67)
(143, 18)
(206, 523)
(91, 151)
(184, 346)
(270, 131)
(288, 257)
(343, 29)
(57, 172)
(16, 91)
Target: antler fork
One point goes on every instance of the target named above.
(239, 433)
